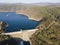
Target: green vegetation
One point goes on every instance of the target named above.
(49, 29)
(50, 36)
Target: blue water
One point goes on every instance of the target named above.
(17, 21)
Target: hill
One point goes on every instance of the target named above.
(34, 11)
(49, 28)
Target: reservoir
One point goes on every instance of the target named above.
(17, 21)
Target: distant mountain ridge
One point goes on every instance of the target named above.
(18, 6)
(41, 4)
(46, 4)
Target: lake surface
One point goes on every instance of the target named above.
(17, 21)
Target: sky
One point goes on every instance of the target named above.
(28, 1)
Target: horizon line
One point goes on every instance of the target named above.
(27, 3)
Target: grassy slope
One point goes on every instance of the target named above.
(50, 13)
(46, 37)
(50, 36)
(32, 11)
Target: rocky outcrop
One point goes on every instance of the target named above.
(3, 37)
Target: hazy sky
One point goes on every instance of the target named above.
(28, 1)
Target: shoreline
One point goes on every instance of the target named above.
(30, 17)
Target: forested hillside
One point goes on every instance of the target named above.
(49, 29)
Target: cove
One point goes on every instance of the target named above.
(17, 21)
